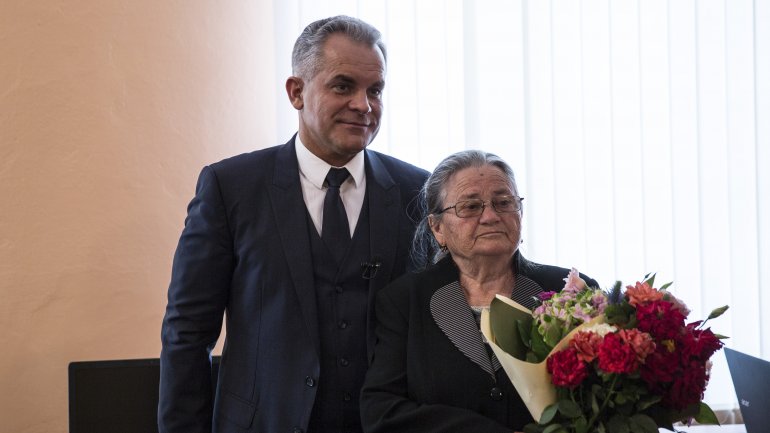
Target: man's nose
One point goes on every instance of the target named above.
(360, 102)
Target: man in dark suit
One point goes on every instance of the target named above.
(292, 256)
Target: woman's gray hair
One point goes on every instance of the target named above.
(307, 57)
(425, 248)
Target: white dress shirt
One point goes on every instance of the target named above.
(312, 173)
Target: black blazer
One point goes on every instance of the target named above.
(245, 252)
(431, 370)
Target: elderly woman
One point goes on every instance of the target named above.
(432, 370)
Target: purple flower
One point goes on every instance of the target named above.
(599, 301)
(544, 296)
(581, 314)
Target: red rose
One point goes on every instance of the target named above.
(698, 344)
(566, 369)
(688, 387)
(661, 319)
(615, 356)
(660, 368)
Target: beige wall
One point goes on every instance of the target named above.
(108, 110)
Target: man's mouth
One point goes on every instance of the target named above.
(356, 123)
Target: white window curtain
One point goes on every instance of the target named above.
(639, 131)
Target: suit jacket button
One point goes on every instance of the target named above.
(296, 430)
(309, 381)
(496, 394)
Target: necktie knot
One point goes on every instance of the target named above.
(336, 177)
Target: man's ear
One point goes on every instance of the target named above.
(294, 87)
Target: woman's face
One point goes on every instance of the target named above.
(488, 234)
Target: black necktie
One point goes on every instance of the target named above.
(335, 231)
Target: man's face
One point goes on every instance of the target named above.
(341, 106)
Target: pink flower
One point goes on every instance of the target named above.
(581, 314)
(642, 293)
(587, 345)
(641, 342)
(573, 282)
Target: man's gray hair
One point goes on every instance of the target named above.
(307, 57)
(425, 248)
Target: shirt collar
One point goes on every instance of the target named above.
(315, 169)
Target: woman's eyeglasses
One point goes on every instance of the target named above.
(475, 207)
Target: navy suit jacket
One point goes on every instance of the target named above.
(245, 251)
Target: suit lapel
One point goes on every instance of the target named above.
(384, 207)
(290, 215)
(384, 200)
(451, 313)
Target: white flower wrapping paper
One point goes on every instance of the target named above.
(531, 380)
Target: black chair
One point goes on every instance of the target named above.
(117, 396)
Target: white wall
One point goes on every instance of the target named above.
(108, 110)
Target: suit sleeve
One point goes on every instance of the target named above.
(197, 295)
(386, 405)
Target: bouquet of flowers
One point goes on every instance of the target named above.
(587, 360)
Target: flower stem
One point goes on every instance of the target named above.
(604, 403)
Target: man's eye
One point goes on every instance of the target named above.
(470, 206)
(341, 88)
(376, 92)
(504, 202)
